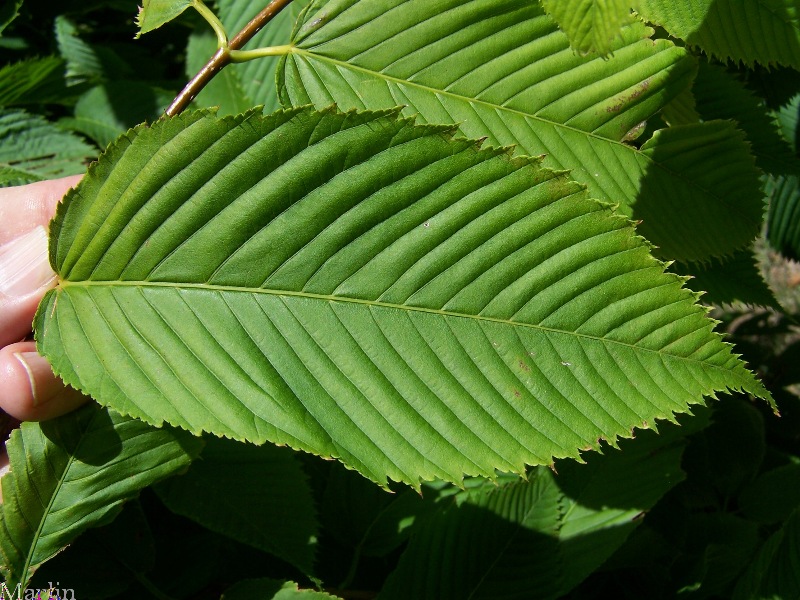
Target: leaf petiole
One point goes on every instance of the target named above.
(245, 55)
(213, 20)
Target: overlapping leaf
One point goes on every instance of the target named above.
(31, 149)
(736, 279)
(73, 473)
(763, 31)
(502, 70)
(258, 495)
(32, 81)
(546, 534)
(591, 25)
(497, 543)
(364, 288)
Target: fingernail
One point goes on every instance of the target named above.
(43, 384)
(24, 264)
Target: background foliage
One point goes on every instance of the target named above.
(706, 509)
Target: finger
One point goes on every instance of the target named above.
(24, 207)
(30, 390)
(25, 276)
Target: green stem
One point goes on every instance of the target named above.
(222, 57)
(245, 55)
(216, 24)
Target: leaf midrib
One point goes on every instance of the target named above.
(524, 115)
(64, 285)
(47, 510)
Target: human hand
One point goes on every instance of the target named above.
(29, 391)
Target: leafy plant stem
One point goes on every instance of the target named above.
(222, 57)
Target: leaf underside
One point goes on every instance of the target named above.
(361, 287)
(501, 69)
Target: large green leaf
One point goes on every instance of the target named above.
(73, 473)
(763, 31)
(502, 70)
(364, 288)
(591, 25)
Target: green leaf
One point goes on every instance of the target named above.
(84, 61)
(551, 533)
(719, 95)
(73, 473)
(496, 543)
(591, 25)
(32, 81)
(724, 282)
(606, 498)
(787, 117)
(502, 70)
(775, 572)
(272, 589)
(106, 111)
(783, 217)
(104, 561)
(257, 495)
(765, 32)
(155, 13)
(363, 288)
(32, 149)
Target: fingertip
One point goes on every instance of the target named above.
(31, 392)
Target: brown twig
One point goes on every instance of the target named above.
(222, 57)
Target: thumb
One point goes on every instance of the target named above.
(25, 275)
